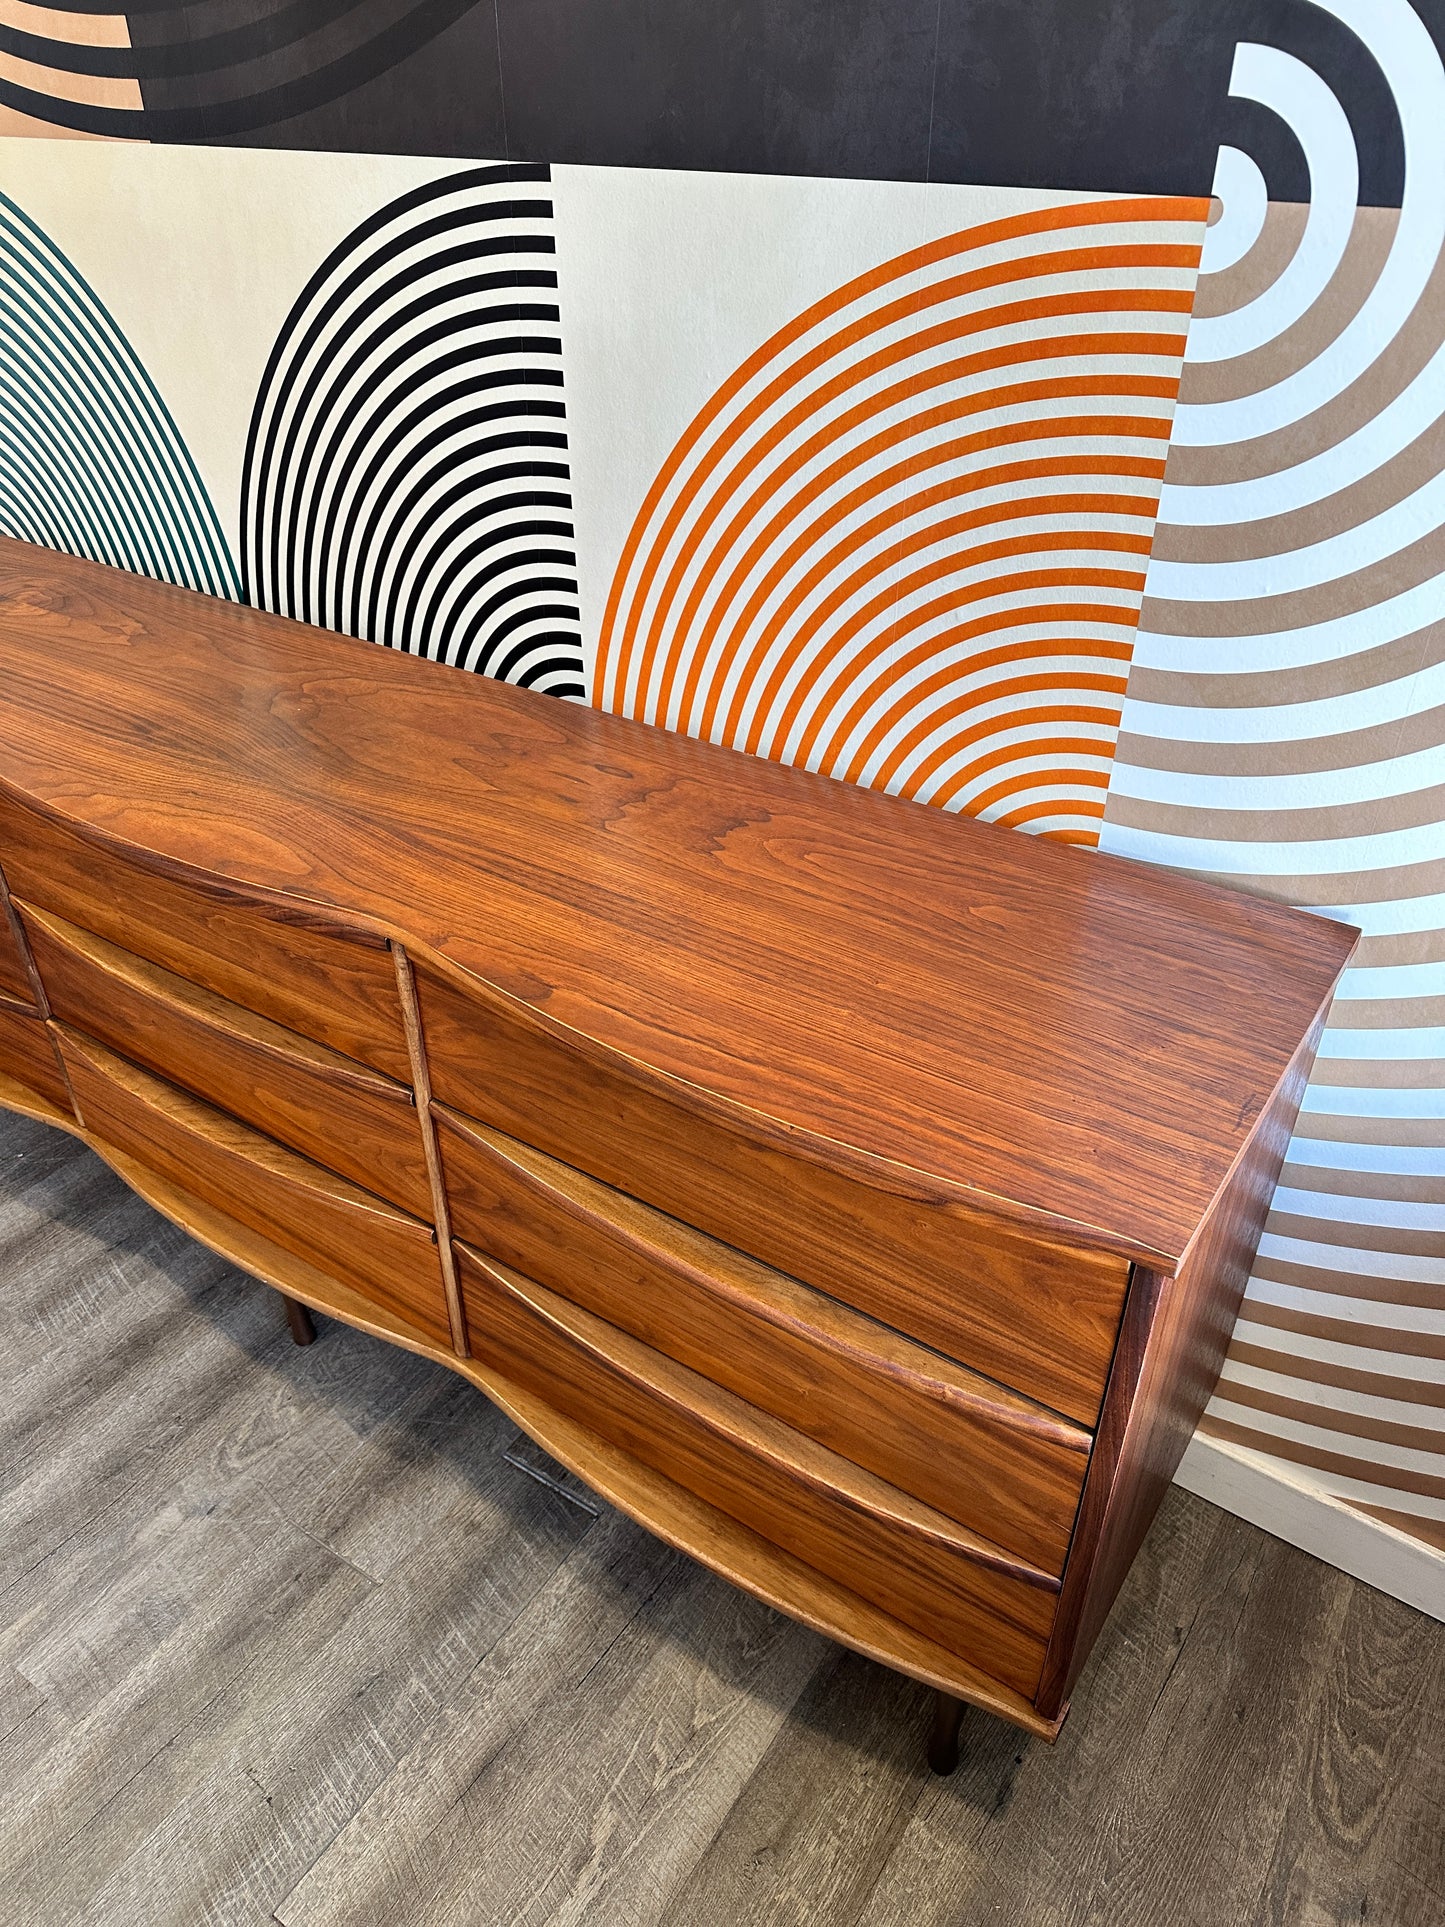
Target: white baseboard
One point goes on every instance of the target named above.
(1271, 1495)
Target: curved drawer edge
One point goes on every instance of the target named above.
(15, 1096)
(662, 1508)
(708, 1102)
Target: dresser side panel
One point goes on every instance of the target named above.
(1172, 1344)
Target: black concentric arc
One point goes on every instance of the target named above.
(406, 476)
(222, 75)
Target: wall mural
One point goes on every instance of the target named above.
(904, 543)
(406, 475)
(1285, 730)
(90, 460)
(812, 391)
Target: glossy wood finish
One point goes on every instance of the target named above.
(371, 1599)
(356, 1121)
(961, 1137)
(28, 1056)
(1022, 1307)
(17, 977)
(1171, 1347)
(927, 1571)
(304, 968)
(440, 1213)
(997, 1463)
(333, 1224)
(1074, 1039)
(673, 1513)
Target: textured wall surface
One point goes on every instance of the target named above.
(805, 377)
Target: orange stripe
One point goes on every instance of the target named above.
(951, 487)
(834, 429)
(881, 484)
(1011, 272)
(941, 713)
(868, 407)
(956, 666)
(1007, 754)
(943, 798)
(942, 568)
(1059, 806)
(1164, 388)
(960, 706)
(894, 671)
(681, 644)
(938, 531)
(1033, 780)
(769, 487)
(929, 537)
(1144, 211)
(1027, 718)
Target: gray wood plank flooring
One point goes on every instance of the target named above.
(294, 1635)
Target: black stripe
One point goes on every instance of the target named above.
(395, 475)
(215, 120)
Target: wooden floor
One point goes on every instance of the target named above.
(305, 1635)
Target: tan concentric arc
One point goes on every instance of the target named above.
(1285, 731)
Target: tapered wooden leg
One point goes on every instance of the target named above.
(943, 1740)
(303, 1331)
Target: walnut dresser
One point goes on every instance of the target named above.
(858, 1196)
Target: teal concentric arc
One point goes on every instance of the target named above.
(91, 462)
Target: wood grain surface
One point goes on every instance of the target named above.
(440, 1212)
(1060, 1033)
(387, 1255)
(27, 1054)
(1024, 1307)
(994, 1461)
(1171, 1346)
(302, 969)
(986, 1606)
(677, 1516)
(17, 979)
(356, 1121)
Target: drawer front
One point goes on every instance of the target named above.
(1032, 1312)
(14, 977)
(27, 1055)
(297, 968)
(996, 1463)
(382, 1252)
(902, 1555)
(353, 1120)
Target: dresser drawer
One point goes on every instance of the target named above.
(355, 1121)
(28, 1056)
(387, 1255)
(1027, 1309)
(14, 977)
(298, 967)
(925, 1569)
(997, 1463)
